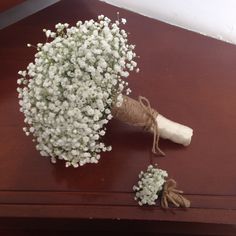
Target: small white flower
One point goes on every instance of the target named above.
(118, 104)
(102, 132)
(48, 33)
(109, 117)
(68, 164)
(31, 129)
(100, 17)
(123, 20)
(53, 160)
(150, 185)
(85, 139)
(19, 81)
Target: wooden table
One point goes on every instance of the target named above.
(7, 4)
(187, 77)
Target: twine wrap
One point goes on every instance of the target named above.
(139, 113)
(173, 195)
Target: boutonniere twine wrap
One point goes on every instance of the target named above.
(76, 84)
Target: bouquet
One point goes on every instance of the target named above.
(76, 84)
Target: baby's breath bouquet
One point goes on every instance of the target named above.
(69, 90)
(76, 84)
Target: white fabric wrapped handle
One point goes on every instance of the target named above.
(174, 131)
(140, 113)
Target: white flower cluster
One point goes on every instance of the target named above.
(68, 92)
(150, 185)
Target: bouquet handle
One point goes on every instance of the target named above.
(140, 113)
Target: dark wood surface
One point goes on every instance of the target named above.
(187, 77)
(7, 4)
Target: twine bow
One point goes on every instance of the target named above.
(151, 123)
(173, 195)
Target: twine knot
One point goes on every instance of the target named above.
(173, 195)
(139, 113)
(151, 123)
